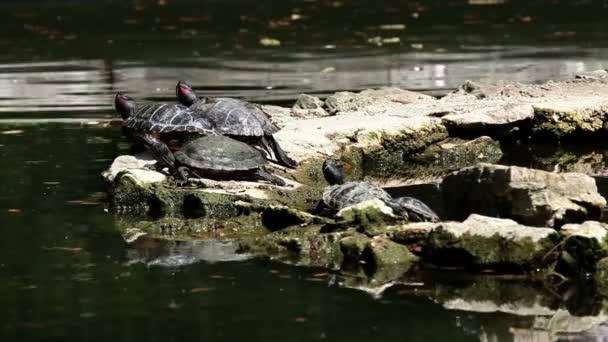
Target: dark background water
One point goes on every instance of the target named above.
(64, 269)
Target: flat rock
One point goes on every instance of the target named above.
(321, 137)
(374, 100)
(305, 101)
(529, 196)
(488, 116)
(491, 241)
(126, 162)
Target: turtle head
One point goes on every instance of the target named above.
(332, 171)
(124, 105)
(185, 94)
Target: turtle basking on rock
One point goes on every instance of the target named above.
(222, 158)
(238, 119)
(149, 123)
(340, 195)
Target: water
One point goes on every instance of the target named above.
(66, 274)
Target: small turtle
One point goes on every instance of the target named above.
(222, 158)
(340, 195)
(417, 210)
(238, 119)
(152, 121)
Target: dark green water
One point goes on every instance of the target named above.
(66, 274)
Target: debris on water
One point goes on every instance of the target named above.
(216, 276)
(394, 27)
(273, 271)
(328, 70)
(321, 274)
(13, 211)
(173, 305)
(300, 319)
(379, 41)
(63, 249)
(200, 289)
(51, 183)
(266, 41)
(84, 202)
(12, 132)
(417, 46)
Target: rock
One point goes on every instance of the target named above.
(601, 276)
(561, 118)
(278, 115)
(305, 101)
(303, 246)
(454, 153)
(583, 245)
(529, 196)
(381, 252)
(317, 138)
(124, 163)
(373, 100)
(593, 75)
(489, 119)
(352, 247)
(367, 212)
(482, 241)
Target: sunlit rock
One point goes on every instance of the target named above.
(529, 196)
(486, 241)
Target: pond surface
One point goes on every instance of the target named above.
(66, 274)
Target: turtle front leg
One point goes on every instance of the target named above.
(159, 150)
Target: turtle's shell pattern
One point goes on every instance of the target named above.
(219, 153)
(417, 206)
(340, 196)
(235, 117)
(164, 118)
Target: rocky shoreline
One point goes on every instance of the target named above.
(497, 219)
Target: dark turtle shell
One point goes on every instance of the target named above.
(417, 207)
(235, 117)
(219, 153)
(164, 118)
(340, 196)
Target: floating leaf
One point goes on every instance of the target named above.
(12, 132)
(14, 211)
(199, 289)
(64, 249)
(270, 42)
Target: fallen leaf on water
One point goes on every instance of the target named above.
(270, 42)
(284, 276)
(300, 319)
(273, 271)
(13, 131)
(328, 70)
(315, 279)
(199, 289)
(84, 202)
(64, 249)
(51, 183)
(216, 276)
(392, 27)
(14, 211)
(321, 274)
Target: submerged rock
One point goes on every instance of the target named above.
(529, 196)
(482, 241)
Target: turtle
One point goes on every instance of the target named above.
(150, 122)
(238, 119)
(340, 195)
(222, 158)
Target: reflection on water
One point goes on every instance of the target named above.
(63, 61)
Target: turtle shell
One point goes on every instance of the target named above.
(235, 117)
(219, 153)
(418, 207)
(340, 196)
(164, 118)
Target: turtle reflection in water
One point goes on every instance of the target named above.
(340, 195)
(222, 158)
